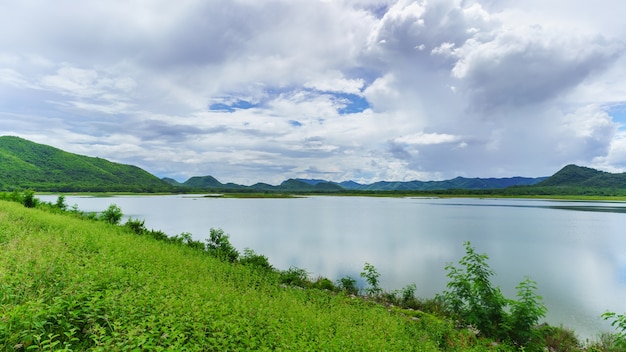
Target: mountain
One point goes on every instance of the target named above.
(573, 176)
(25, 164)
(456, 183)
(171, 181)
(290, 185)
(203, 182)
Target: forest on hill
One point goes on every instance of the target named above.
(28, 165)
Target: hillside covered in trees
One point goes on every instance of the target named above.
(25, 164)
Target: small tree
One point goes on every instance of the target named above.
(28, 199)
(61, 203)
(219, 246)
(472, 297)
(370, 275)
(112, 215)
(525, 312)
(407, 294)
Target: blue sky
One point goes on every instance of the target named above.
(362, 90)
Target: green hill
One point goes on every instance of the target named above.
(25, 164)
(579, 176)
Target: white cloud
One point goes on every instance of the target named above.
(447, 87)
(426, 138)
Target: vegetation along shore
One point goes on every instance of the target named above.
(79, 281)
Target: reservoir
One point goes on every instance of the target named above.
(574, 250)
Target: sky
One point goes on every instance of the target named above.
(366, 90)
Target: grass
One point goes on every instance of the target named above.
(74, 284)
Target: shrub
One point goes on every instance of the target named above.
(370, 275)
(136, 226)
(525, 312)
(348, 285)
(219, 246)
(558, 338)
(112, 215)
(619, 322)
(28, 199)
(61, 203)
(324, 283)
(471, 296)
(158, 235)
(295, 276)
(253, 259)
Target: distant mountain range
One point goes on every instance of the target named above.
(25, 164)
(455, 183)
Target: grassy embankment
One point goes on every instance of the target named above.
(75, 284)
(68, 282)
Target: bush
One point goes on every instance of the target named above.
(136, 226)
(28, 199)
(525, 312)
(255, 260)
(295, 277)
(112, 215)
(219, 246)
(471, 296)
(619, 322)
(348, 285)
(558, 339)
(61, 203)
(324, 283)
(370, 275)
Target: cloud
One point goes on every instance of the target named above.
(528, 65)
(350, 89)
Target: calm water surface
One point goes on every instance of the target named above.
(575, 251)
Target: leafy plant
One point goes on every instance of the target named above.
(371, 275)
(112, 215)
(407, 294)
(60, 203)
(619, 322)
(28, 199)
(136, 226)
(250, 257)
(295, 276)
(348, 285)
(219, 246)
(525, 312)
(472, 297)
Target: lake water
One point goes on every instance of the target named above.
(575, 251)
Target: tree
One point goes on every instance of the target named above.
(472, 297)
(28, 199)
(525, 312)
(219, 245)
(61, 203)
(112, 215)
